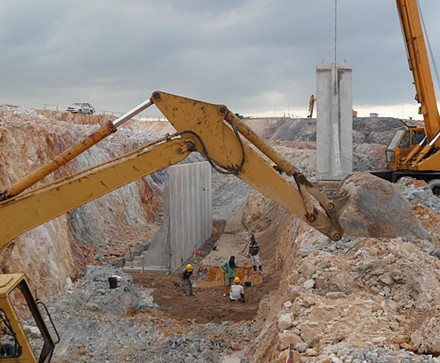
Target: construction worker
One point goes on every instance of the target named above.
(186, 277)
(229, 267)
(254, 253)
(237, 291)
(312, 101)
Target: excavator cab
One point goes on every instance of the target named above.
(403, 142)
(32, 341)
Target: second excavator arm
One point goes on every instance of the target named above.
(213, 131)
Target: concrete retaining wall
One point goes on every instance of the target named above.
(190, 209)
(187, 217)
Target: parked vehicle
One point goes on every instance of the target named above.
(81, 107)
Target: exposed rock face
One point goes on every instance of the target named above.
(59, 249)
(427, 337)
(370, 135)
(340, 299)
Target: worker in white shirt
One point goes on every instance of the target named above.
(237, 291)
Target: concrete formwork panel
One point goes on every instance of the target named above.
(190, 209)
(334, 127)
(187, 217)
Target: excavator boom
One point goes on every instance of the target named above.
(213, 131)
(223, 145)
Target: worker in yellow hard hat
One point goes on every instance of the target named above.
(237, 291)
(186, 278)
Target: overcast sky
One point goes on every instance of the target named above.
(258, 57)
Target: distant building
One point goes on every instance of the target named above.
(374, 114)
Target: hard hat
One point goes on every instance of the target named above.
(189, 268)
(236, 280)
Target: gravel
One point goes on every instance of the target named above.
(102, 324)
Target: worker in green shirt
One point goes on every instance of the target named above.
(229, 267)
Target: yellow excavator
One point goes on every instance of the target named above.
(224, 140)
(415, 151)
(212, 130)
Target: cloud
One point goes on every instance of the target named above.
(252, 55)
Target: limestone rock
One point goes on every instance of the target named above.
(335, 295)
(287, 304)
(61, 248)
(307, 300)
(288, 337)
(285, 321)
(235, 346)
(309, 284)
(311, 352)
(376, 209)
(296, 357)
(311, 332)
(426, 338)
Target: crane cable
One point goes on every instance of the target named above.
(336, 29)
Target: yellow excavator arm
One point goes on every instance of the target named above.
(212, 130)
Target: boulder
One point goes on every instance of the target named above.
(376, 209)
(285, 321)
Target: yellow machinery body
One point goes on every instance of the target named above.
(415, 151)
(15, 291)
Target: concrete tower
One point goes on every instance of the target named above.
(334, 121)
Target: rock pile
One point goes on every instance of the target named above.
(102, 324)
(360, 299)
